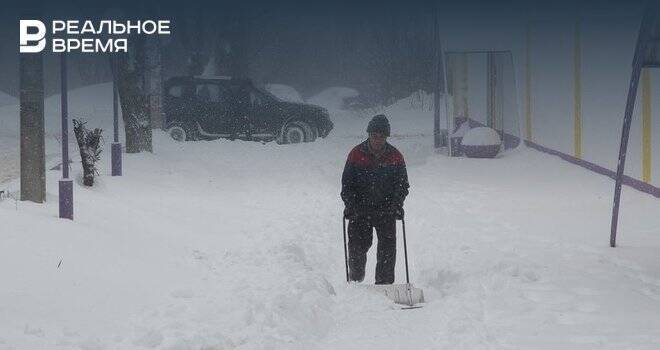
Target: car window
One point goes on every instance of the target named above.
(207, 92)
(210, 92)
(256, 99)
(224, 94)
(176, 91)
(269, 95)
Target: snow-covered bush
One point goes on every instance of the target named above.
(481, 136)
(89, 142)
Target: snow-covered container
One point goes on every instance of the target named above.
(481, 142)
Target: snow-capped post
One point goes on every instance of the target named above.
(647, 54)
(66, 184)
(116, 145)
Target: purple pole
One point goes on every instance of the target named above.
(115, 112)
(66, 184)
(638, 63)
(116, 146)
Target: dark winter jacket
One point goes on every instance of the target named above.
(373, 186)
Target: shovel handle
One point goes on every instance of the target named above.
(343, 220)
(405, 249)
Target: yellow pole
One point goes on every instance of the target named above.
(577, 111)
(528, 82)
(646, 125)
(465, 85)
(453, 83)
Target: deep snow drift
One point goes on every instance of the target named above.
(221, 245)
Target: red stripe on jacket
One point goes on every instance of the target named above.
(360, 157)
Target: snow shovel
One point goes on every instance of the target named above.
(404, 294)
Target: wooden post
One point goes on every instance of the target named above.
(490, 90)
(528, 83)
(452, 86)
(577, 93)
(646, 126)
(438, 69)
(464, 84)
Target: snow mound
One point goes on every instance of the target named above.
(481, 136)
(333, 97)
(417, 101)
(411, 116)
(284, 92)
(462, 129)
(7, 99)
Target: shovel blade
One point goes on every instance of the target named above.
(404, 294)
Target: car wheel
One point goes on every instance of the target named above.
(180, 133)
(295, 132)
(313, 133)
(177, 133)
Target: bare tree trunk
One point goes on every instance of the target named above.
(154, 81)
(131, 84)
(33, 162)
(192, 36)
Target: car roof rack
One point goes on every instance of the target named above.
(212, 77)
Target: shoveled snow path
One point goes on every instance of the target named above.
(238, 245)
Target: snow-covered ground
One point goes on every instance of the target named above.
(6, 99)
(222, 245)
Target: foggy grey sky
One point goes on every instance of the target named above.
(311, 45)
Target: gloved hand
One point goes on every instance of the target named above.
(397, 210)
(349, 213)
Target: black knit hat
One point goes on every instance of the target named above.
(379, 123)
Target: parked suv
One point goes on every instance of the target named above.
(221, 107)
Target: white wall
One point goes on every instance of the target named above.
(607, 51)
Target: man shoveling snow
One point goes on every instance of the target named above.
(374, 186)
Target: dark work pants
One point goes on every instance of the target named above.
(360, 234)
